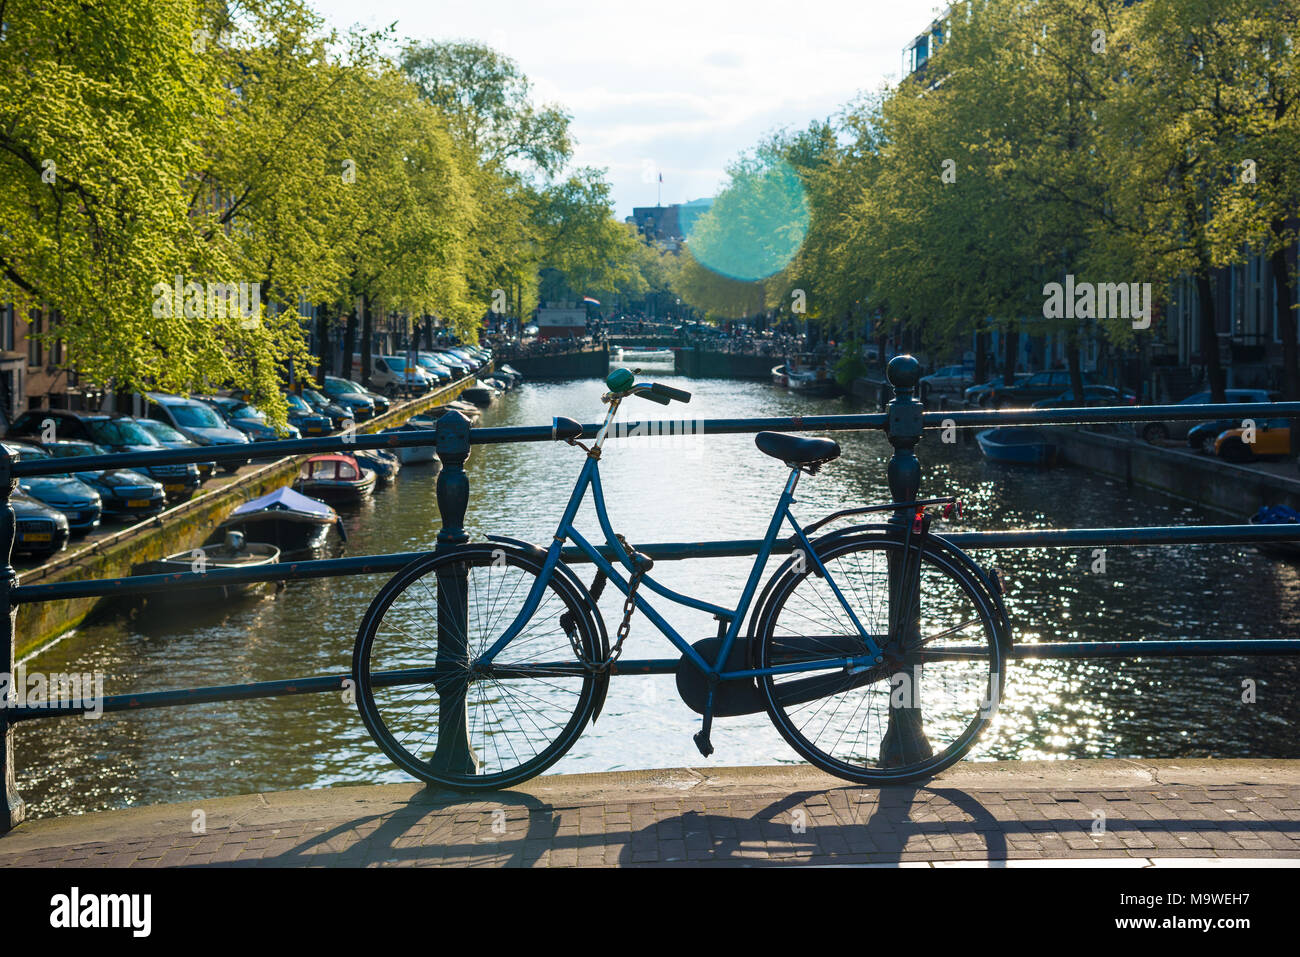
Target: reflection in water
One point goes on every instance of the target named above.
(720, 487)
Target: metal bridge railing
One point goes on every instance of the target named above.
(904, 423)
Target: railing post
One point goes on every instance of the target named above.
(904, 741)
(453, 752)
(11, 804)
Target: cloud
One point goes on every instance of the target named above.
(685, 84)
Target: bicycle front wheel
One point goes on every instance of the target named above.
(429, 702)
(913, 713)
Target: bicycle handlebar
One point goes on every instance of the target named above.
(667, 394)
(659, 393)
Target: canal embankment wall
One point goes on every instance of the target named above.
(183, 526)
(586, 364)
(1237, 490)
(703, 364)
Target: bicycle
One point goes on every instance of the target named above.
(877, 650)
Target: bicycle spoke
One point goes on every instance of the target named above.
(514, 723)
(920, 706)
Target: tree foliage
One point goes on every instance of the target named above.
(214, 143)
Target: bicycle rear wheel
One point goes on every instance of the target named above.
(443, 717)
(908, 716)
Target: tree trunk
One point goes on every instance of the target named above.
(349, 342)
(1010, 349)
(367, 335)
(1286, 322)
(1076, 369)
(1209, 337)
(981, 356)
(323, 340)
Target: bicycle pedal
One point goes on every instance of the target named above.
(701, 739)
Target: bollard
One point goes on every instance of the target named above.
(453, 752)
(11, 804)
(904, 741)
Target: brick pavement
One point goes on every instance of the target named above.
(1120, 813)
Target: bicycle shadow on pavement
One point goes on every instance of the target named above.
(851, 825)
(435, 827)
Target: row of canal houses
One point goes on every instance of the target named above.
(1170, 363)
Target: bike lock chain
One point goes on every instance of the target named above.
(625, 626)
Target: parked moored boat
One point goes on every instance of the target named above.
(621, 354)
(481, 394)
(235, 551)
(1278, 515)
(1016, 446)
(809, 375)
(335, 478)
(284, 518)
(383, 463)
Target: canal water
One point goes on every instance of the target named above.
(682, 489)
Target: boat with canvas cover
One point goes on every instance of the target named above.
(287, 519)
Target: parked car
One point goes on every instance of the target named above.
(117, 433)
(251, 421)
(1040, 385)
(124, 492)
(949, 380)
(197, 473)
(197, 421)
(1203, 436)
(340, 418)
(982, 393)
(351, 396)
(458, 365)
(40, 531)
(379, 401)
(1155, 432)
(475, 358)
(430, 364)
(391, 375)
(1272, 440)
(1094, 395)
(305, 418)
(79, 503)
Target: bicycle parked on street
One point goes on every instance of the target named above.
(877, 650)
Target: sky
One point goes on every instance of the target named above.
(678, 87)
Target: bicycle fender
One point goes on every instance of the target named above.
(995, 591)
(539, 553)
(834, 537)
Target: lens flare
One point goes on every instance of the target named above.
(755, 227)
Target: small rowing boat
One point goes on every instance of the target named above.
(234, 552)
(1016, 446)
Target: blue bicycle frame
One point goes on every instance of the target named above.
(590, 478)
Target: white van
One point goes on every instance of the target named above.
(391, 374)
